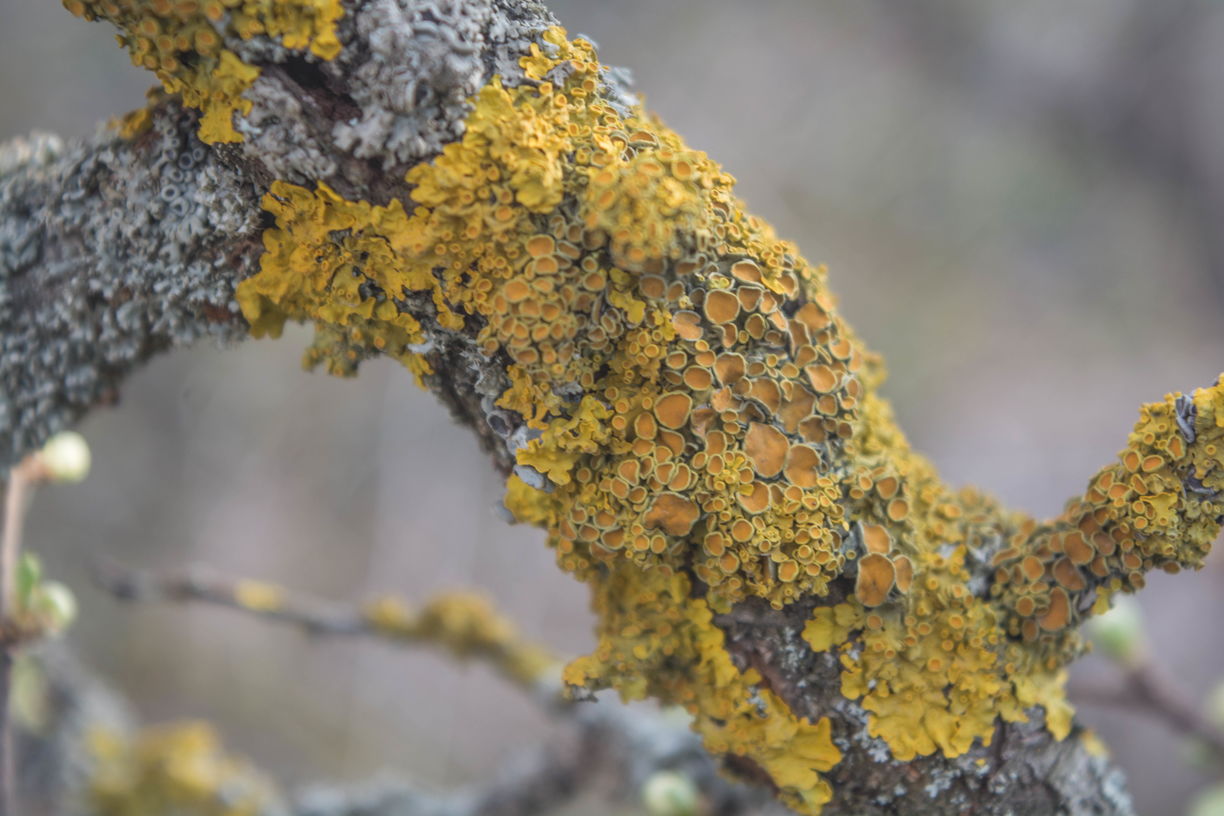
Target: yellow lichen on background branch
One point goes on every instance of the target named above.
(708, 430)
(179, 768)
(183, 42)
(466, 626)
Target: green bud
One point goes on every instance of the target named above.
(667, 793)
(1210, 802)
(1119, 632)
(29, 575)
(56, 605)
(66, 457)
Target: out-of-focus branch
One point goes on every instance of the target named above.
(24, 618)
(16, 496)
(464, 625)
(611, 751)
(1144, 689)
(611, 747)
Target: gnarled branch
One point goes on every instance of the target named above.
(461, 188)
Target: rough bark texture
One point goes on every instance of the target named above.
(110, 252)
(1023, 771)
(125, 246)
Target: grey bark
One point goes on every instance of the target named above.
(98, 272)
(110, 252)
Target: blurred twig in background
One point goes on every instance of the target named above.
(1144, 688)
(464, 625)
(623, 753)
(29, 608)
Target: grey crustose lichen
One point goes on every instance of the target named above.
(110, 252)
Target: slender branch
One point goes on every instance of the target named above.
(462, 624)
(625, 744)
(18, 490)
(13, 504)
(1145, 689)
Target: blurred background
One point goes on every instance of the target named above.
(1022, 207)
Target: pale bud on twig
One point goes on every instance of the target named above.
(65, 457)
(667, 793)
(1119, 632)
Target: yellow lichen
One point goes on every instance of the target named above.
(709, 425)
(135, 123)
(329, 259)
(182, 42)
(657, 640)
(1158, 507)
(466, 626)
(178, 769)
(258, 596)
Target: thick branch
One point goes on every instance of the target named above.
(111, 252)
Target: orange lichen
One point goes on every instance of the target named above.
(721, 306)
(876, 538)
(875, 580)
(673, 410)
(1158, 507)
(672, 513)
(181, 42)
(709, 427)
(766, 448)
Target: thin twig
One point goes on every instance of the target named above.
(21, 482)
(1146, 689)
(463, 624)
(12, 504)
(628, 745)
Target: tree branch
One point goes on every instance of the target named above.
(467, 192)
(618, 747)
(110, 252)
(462, 624)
